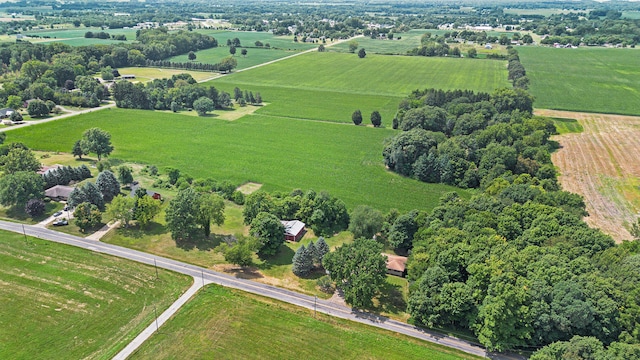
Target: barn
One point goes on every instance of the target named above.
(293, 230)
(396, 265)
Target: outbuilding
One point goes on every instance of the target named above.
(59, 192)
(293, 230)
(396, 265)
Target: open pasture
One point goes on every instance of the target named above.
(61, 302)
(144, 74)
(283, 154)
(330, 86)
(408, 41)
(218, 323)
(597, 80)
(79, 33)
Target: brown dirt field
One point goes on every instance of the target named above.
(601, 164)
(249, 188)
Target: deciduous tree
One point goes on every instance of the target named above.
(146, 209)
(356, 117)
(211, 211)
(78, 150)
(359, 269)
(121, 209)
(19, 159)
(376, 119)
(203, 105)
(87, 216)
(269, 232)
(182, 215)
(97, 141)
(17, 188)
(365, 221)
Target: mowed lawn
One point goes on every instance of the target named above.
(61, 302)
(220, 323)
(330, 86)
(249, 38)
(584, 79)
(283, 154)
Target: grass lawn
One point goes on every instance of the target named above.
(585, 79)
(282, 154)
(218, 323)
(18, 214)
(330, 86)
(254, 56)
(61, 302)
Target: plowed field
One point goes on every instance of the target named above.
(602, 164)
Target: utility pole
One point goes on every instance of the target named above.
(155, 311)
(315, 305)
(156, 265)
(25, 235)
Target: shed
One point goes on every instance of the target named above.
(293, 230)
(396, 265)
(151, 193)
(58, 192)
(128, 76)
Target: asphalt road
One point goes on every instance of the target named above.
(291, 297)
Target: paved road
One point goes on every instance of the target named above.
(291, 297)
(54, 118)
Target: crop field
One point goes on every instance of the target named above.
(586, 79)
(254, 56)
(330, 86)
(283, 154)
(61, 302)
(600, 163)
(248, 38)
(79, 33)
(218, 322)
(408, 41)
(81, 41)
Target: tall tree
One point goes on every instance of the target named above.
(232, 50)
(125, 175)
(356, 117)
(211, 211)
(19, 159)
(182, 215)
(365, 221)
(108, 185)
(362, 53)
(302, 262)
(240, 252)
(353, 46)
(203, 104)
(87, 216)
(191, 55)
(359, 269)
(146, 209)
(121, 209)
(97, 141)
(78, 150)
(376, 119)
(320, 249)
(269, 232)
(18, 188)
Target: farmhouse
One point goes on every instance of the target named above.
(293, 230)
(59, 192)
(396, 265)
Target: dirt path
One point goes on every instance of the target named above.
(601, 164)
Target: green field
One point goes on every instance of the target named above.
(567, 126)
(248, 38)
(585, 79)
(79, 41)
(254, 56)
(330, 86)
(79, 33)
(283, 154)
(408, 41)
(61, 302)
(220, 323)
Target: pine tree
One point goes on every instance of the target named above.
(321, 249)
(302, 262)
(258, 99)
(311, 249)
(108, 185)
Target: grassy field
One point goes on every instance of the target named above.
(79, 33)
(567, 126)
(61, 302)
(144, 74)
(254, 56)
(408, 41)
(282, 154)
(585, 79)
(248, 38)
(217, 323)
(330, 86)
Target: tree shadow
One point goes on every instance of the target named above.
(284, 256)
(200, 242)
(391, 299)
(135, 232)
(245, 272)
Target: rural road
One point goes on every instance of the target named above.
(291, 297)
(54, 118)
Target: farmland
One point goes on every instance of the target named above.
(585, 79)
(60, 302)
(330, 86)
(283, 154)
(144, 74)
(600, 164)
(218, 322)
(254, 56)
(248, 38)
